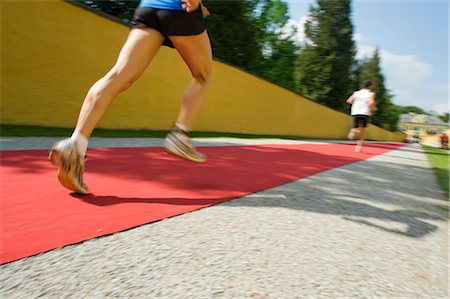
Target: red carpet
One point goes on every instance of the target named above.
(135, 186)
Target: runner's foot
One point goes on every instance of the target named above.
(64, 155)
(178, 143)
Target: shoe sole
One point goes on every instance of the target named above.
(170, 150)
(65, 177)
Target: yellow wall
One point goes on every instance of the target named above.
(53, 51)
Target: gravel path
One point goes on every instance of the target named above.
(372, 229)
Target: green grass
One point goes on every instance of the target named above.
(27, 131)
(439, 160)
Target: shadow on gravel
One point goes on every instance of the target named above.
(384, 196)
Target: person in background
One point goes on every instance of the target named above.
(444, 141)
(178, 23)
(363, 105)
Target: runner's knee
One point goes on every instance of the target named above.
(203, 77)
(122, 81)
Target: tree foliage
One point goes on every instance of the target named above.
(278, 47)
(444, 117)
(234, 36)
(408, 109)
(324, 66)
(248, 34)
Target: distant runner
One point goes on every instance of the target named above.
(363, 104)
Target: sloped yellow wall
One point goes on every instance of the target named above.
(53, 51)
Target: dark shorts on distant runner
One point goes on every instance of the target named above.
(170, 22)
(360, 120)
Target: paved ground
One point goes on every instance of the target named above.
(372, 229)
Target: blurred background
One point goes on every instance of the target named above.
(311, 49)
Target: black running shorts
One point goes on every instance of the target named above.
(360, 120)
(170, 22)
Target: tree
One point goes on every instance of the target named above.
(277, 43)
(277, 66)
(408, 109)
(325, 64)
(444, 117)
(234, 36)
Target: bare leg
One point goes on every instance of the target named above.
(360, 143)
(196, 52)
(68, 154)
(354, 132)
(351, 134)
(138, 51)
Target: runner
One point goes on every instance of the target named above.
(363, 104)
(177, 23)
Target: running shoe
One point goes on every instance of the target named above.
(179, 143)
(65, 156)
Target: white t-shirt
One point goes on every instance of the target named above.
(361, 102)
